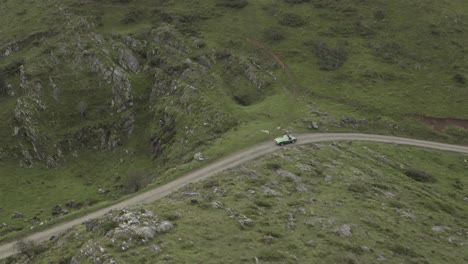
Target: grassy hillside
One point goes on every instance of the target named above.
(116, 95)
(324, 203)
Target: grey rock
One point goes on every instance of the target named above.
(246, 222)
(344, 230)
(145, 231)
(102, 191)
(155, 248)
(17, 215)
(164, 226)
(128, 61)
(198, 156)
(74, 260)
(327, 178)
(270, 191)
(288, 175)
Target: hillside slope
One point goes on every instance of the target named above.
(320, 203)
(98, 99)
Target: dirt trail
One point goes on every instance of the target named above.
(233, 160)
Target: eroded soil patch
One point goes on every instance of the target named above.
(440, 124)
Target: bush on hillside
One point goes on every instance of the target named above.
(3, 85)
(234, 3)
(274, 34)
(132, 16)
(136, 181)
(292, 20)
(29, 248)
(329, 59)
(296, 1)
(420, 176)
(459, 78)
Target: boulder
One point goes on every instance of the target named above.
(128, 61)
(198, 156)
(164, 226)
(344, 230)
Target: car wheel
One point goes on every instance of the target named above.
(281, 144)
(294, 141)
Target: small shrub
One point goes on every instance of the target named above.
(3, 85)
(234, 3)
(29, 248)
(210, 183)
(329, 59)
(273, 166)
(262, 203)
(13, 67)
(403, 251)
(132, 16)
(458, 185)
(459, 78)
(274, 34)
(420, 176)
(292, 20)
(296, 1)
(269, 255)
(357, 188)
(379, 14)
(136, 181)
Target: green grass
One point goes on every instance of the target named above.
(394, 70)
(390, 214)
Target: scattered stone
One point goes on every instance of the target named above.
(74, 260)
(103, 191)
(58, 210)
(217, 204)
(155, 248)
(348, 120)
(405, 214)
(366, 249)
(303, 167)
(437, 228)
(246, 222)
(17, 215)
(328, 178)
(344, 230)
(288, 175)
(198, 156)
(270, 191)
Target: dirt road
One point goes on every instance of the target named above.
(233, 160)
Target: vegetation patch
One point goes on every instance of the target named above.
(276, 220)
(420, 176)
(329, 59)
(292, 20)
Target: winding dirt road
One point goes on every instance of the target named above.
(233, 160)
